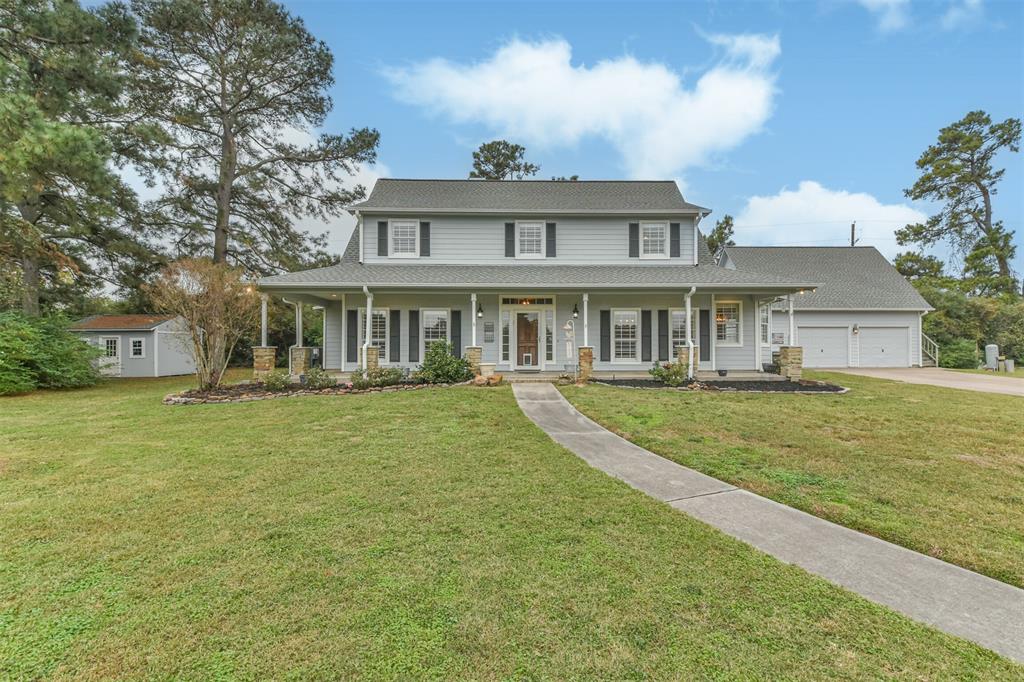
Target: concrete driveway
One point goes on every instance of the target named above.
(934, 376)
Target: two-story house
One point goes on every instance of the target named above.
(532, 271)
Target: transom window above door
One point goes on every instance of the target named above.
(404, 242)
(530, 241)
(654, 240)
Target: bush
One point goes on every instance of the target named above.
(441, 367)
(317, 378)
(960, 354)
(42, 353)
(278, 380)
(670, 374)
(377, 378)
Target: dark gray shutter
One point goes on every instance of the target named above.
(663, 335)
(395, 337)
(457, 333)
(424, 238)
(645, 335)
(352, 336)
(606, 336)
(382, 238)
(634, 240)
(550, 240)
(414, 336)
(705, 335)
(673, 229)
(510, 240)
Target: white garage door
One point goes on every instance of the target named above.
(825, 346)
(884, 347)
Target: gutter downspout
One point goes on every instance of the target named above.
(368, 324)
(287, 302)
(689, 327)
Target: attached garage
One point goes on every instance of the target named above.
(825, 346)
(884, 346)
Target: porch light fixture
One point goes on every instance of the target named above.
(856, 329)
(575, 312)
(479, 310)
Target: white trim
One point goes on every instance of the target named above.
(156, 351)
(739, 318)
(365, 330)
(665, 242)
(422, 331)
(344, 331)
(415, 237)
(696, 225)
(513, 335)
(362, 241)
(611, 337)
(586, 320)
(472, 313)
(110, 361)
(131, 348)
(713, 335)
(543, 240)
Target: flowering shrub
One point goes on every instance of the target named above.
(670, 373)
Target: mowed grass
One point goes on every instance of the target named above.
(429, 534)
(940, 471)
(1017, 373)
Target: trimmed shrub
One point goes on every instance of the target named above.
(278, 380)
(960, 354)
(42, 353)
(317, 378)
(670, 373)
(441, 367)
(377, 378)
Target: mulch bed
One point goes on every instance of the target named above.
(244, 393)
(738, 386)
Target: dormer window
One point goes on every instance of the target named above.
(654, 240)
(530, 240)
(404, 242)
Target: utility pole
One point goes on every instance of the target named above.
(853, 233)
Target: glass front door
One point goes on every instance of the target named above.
(527, 337)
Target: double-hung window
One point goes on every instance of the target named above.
(138, 348)
(678, 331)
(530, 239)
(404, 241)
(728, 324)
(110, 348)
(435, 327)
(765, 322)
(378, 330)
(625, 332)
(654, 240)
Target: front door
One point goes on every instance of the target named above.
(527, 338)
(110, 360)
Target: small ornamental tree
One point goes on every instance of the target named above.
(218, 308)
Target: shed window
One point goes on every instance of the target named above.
(110, 348)
(138, 348)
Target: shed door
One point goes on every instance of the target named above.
(825, 346)
(110, 360)
(884, 347)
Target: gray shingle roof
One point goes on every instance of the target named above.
(350, 273)
(853, 278)
(519, 196)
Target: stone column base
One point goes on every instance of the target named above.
(474, 354)
(301, 358)
(264, 359)
(683, 358)
(791, 362)
(586, 354)
(372, 358)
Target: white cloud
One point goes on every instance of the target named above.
(532, 93)
(892, 14)
(815, 215)
(961, 14)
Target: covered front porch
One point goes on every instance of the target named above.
(538, 333)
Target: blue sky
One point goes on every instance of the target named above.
(795, 117)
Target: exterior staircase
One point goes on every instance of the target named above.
(929, 351)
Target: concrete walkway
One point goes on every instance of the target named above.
(942, 595)
(936, 376)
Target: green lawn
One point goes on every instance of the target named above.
(937, 470)
(1018, 372)
(432, 533)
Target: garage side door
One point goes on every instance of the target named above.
(884, 347)
(825, 346)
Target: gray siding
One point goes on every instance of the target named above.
(848, 318)
(333, 337)
(480, 240)
(174, 353)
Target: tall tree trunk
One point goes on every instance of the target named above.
(228, 165)
(1004, 263)
(30, 285)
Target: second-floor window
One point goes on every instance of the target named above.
(653, 240)
(530, 242)
(404, 243)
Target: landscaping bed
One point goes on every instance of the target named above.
(242, 393)
(726, 385)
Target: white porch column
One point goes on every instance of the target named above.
(367, 324)
(714, 334)
(472, 314)
(689, 327)
(792, 328)
(298, 324)
(586, 320)
(757, 332)
(263, 320)
(344, 331)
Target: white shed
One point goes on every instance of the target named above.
(139, 345)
